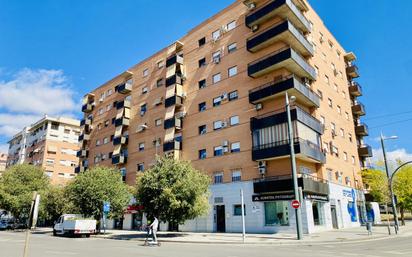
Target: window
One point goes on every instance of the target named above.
(324, 57)
(141, 147)
(231, 25)
(113, 120)
(144, 90)
(160, 64)
(101, 111)
(202, 130)
(320, 94)
(216, 57)
(326, 79)
(330, 44)
(66, 131)
(217, 125)
(202, 62)
(216, 78)
(202, 83)
(353, 159)
(218, 151)
(339, 109)
(235, 147)
(317, 210)
(347, 115)
(236, 175)
(231, 48)
(98, 142)
(109, 92)
(202, 154)
(335, 87)
(345, 156)
(158, 122)
(216, 35)
(330, 103)
(316, 70)
(342, 132)
(234, 120)
(55, 126)
(218, 178)
(350, 137)
(237, 210)
(202, 107)
(202, 41)
(105, 140)
(217, 101)
(159, 83)
(140, 167)
(145, 72)
(276, 213)
(143, 109)
(106, 123)
(108, 107)
(232, 71)
(233, 95)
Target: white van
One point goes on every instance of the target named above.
(73, 225)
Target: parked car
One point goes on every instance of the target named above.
(74, 225)
(6, 224)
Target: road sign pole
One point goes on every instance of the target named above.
(243, 216)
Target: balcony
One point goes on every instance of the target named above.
(358, 109)
(285, 9)
(284, 58)
(120, 141)
(85, 122)
(276, 118)
(175, 59)
(125, 88)
(174, 100)
(355, 89)
(352, 71)
(172, 145)
(291, 85)
(119, 159)
(79, 169)
(173, 122)
(83, 154)
(84, 137)
(285, 32)
(361, 130)
(123, 104)
(304, 149)
(365, 151)
(87, 108)
(122, 122)
(175, 79)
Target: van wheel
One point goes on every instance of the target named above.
(54, 232)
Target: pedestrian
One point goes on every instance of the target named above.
(153, 227)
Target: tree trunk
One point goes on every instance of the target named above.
(403, 216)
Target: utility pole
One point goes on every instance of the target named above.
(298, 211)
(243, 216)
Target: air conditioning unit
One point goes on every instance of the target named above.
(226, 149)
(322, 39)
(184, 94)
(306, 81)
(224, 96)
(252, 6)
(255, 28)
(262, 167)
(183, 77)
(180, 115)
(225, 143)
(224, 124)
(216, 59)
(259, 107)
(333, 133)
(223, 29)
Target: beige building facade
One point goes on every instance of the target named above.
(216, 97)
(51, 143)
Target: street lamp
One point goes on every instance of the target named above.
(395, 213)
(298, 212)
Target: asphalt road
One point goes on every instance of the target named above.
(45, 245)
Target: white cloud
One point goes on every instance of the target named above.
(392, 157)
(10, 124)
(37, 92)
(4, 148)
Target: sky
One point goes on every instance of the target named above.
(53, 52)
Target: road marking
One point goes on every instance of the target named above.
(62, 253)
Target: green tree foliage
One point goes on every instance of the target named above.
(90, 189)
(173, 191)
(17, 186)
(376, 183)
(54, 203)
(402, 186)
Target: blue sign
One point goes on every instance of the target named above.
(106, 207)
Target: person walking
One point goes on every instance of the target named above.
(153, 227)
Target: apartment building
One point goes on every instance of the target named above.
(217, 97)
(3, 162)
(51, 143)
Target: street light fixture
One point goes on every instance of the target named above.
(395, 213)
(298, 212)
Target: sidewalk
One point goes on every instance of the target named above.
(334, 236)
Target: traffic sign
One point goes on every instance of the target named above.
(295, 204)
(106, 207)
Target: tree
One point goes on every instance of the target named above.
(54, 203)
(173, 191)
(402, 186)
(17, 186)
(376, 183)
(89, 190)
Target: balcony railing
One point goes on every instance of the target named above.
(83, 154)
(288, 84)
(303, 149)
(119, 159)
(84, 122)
(172, 145)
(352, 71)
(358, 109)
(84, 137)
(174, 100)
(355, 89)
(283, 31)
(361, 130)
(284, 58)
(365, 151)
(122, 122)
(175, 59)
(87, 108)
(79, 169)
(175, 79)
(283, 8)
(123, 104)
(173, 122)
(125, 88)
(120, 140)
(280, 117)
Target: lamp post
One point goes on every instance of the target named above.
(395, 214)
(298, 212)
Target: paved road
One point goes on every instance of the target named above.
(44, 245)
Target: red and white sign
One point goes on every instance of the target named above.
(295, 204)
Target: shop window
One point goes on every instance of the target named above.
(237, 209)
(317, 208)
(277, 213)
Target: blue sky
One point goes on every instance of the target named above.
(68, 47)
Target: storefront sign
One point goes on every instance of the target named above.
(133, 209)
(322, 198)
(272, 197)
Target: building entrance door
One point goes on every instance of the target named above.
(220, 218)
(334, 216)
